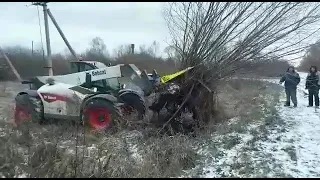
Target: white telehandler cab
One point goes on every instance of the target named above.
(93, 94)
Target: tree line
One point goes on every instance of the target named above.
(31, 63)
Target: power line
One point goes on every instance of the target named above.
(40, 32)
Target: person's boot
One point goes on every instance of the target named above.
(295, 105)
(286, 105)
(309, 106)
(317, 107)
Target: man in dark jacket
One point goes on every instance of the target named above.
(291, 79)
(312, 86)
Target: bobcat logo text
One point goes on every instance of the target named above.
(101, 72)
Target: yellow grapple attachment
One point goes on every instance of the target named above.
(167, 78)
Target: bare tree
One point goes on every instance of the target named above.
(226, 33)
(97, 51)
(172, 55)
(220, 37)
(98, 47)
(146, 50)
(311, 57)
(122, 50)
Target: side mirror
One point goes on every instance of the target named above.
(88, 80)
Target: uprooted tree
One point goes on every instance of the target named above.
(218, 38)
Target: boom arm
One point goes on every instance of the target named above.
(80, 77)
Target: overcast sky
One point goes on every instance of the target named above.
(117, 23)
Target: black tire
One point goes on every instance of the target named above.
(31, 105)
(135, 101)
(99, 104)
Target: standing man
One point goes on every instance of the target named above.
(312, 86)
(291, 79)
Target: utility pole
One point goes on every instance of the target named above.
(46, 26)
(132, 48)
(10, 65)
(61, 34)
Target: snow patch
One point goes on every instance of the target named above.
(290, 149)
(302, 135)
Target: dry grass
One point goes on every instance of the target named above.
(46, 154)
(59, 150)
(238, 96)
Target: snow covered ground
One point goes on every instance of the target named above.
(304, 130)
(286, 146)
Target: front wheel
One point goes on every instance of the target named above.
(28, 109)
(99, 115)
(132, 103)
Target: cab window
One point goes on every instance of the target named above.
(80, 67)
(85, 67)
(74, 67)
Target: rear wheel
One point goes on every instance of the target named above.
(99, 115)
(28, 109)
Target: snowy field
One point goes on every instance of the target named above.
(291, 147)
(303, 132)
